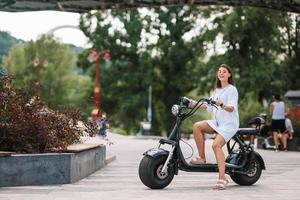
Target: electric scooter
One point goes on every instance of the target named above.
(159, 165)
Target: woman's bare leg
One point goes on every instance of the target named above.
(275, 138)
(284, 138)
(219, 154)
(199, 129)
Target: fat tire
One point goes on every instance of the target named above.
(147, 172)
(244, 179)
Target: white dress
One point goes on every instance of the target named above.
(225, 123)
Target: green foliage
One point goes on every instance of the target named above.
(119, 131)
(120, 82)
(61, 85)
(249, 108)
(6, 42)
(168, 64)
(261, 45)
(257, 43)
(291, 49)
(74, 49)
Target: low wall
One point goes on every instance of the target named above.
(51, 168)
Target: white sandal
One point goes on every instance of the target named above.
(221, 184)
(197, 161)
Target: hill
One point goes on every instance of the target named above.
(7, 41)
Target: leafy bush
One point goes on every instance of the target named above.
(119, 131)
(248, 107)
(28, 126)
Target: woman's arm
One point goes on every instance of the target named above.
(232, 101)
(193, 103)
(227, 108)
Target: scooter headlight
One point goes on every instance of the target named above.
(175, 110)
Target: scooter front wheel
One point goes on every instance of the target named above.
(150, 172)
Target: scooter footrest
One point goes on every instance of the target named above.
(165, 141)
(205, 164)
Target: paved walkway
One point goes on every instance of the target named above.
(119, 180)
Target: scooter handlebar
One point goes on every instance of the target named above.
(186, 101)
(210, 101)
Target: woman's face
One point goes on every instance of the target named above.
(223, 74)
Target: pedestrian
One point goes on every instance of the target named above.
(265, 132)
(277, 111)
(102, 125)
(3, 72)
(5, 83)
(225, 122)
(289, 126)
(287, 134)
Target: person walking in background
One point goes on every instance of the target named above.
(102, 126)
(277, 111)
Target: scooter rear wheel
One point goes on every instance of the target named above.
(252, 173)
(150, 172)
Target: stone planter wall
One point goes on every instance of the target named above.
(51, 168)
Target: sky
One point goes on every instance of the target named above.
(30, 25)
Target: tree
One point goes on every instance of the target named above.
(253, 42)
(60, 84)
(147, 47)
(291, 49)
(6, 42)
(262, 47)
(120, 82)
(171, 49)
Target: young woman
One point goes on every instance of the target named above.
(225, 122)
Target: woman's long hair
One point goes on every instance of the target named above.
(230, 79)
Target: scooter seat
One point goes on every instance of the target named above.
(247, 131)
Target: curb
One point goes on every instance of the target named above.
(109, 160)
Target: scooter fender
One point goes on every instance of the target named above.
(156, 152)
(255, 154)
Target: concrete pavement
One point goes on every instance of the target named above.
(119, 179)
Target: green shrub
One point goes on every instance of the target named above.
(249, 107)
(119, 131)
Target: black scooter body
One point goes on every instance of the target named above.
(159, 165)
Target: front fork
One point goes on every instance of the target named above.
(171, 141)
(165, 167)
